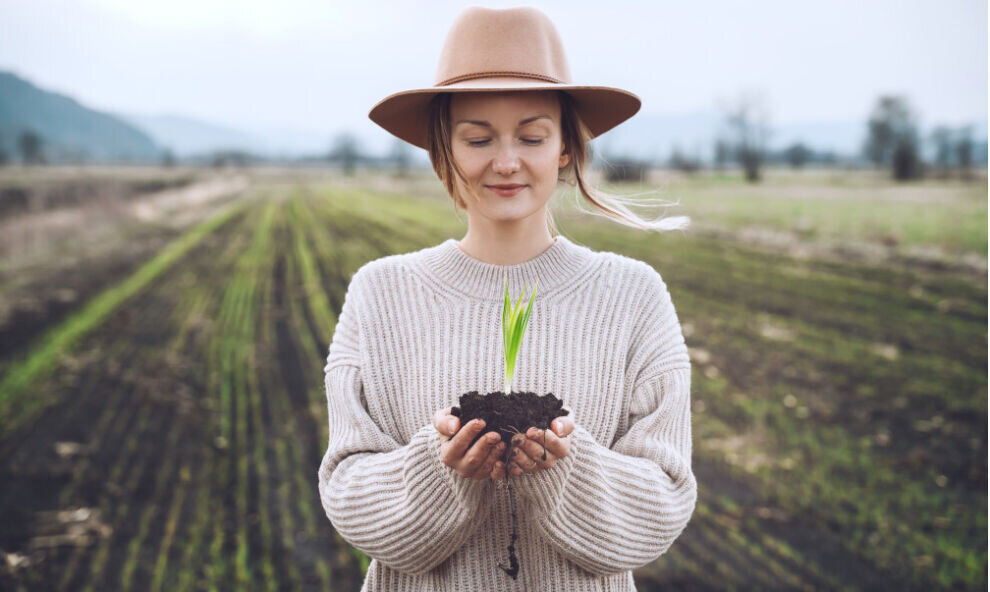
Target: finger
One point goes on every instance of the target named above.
(532, 452)
(445, 423)
(529, 462)
(527, 457)
(461, 441)
(492, 450)
(485, 469)
(518, 460)
(570, 412)
(478, 453)
(498, 471)
(557, 447)
(563, 425)
(502, 465)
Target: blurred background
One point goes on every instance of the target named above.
(187, 187)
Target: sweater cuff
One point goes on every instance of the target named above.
(469, 493)
(544, 489)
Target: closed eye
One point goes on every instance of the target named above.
(530, 141)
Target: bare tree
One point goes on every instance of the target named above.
(623, 169)
(907, 165)
(345, 152)
(220, 159)
(748, 122)
(30, 146)
(400, 157)
(797, 155)
(964, 151)
(679, 161)
(892, 137)
(941, 138)
(723, 153)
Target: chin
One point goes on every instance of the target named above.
(507, 214)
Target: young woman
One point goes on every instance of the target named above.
(400, 480)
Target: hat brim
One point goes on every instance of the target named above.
(404, 114)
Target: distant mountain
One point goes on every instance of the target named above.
(185, 136)
(69, 131)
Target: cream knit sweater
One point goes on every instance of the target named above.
(419, 329)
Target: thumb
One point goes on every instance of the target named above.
(563, 426)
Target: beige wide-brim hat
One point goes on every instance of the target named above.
(512, 49)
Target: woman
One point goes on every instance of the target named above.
(399, 480)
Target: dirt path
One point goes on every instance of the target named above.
(54, 260)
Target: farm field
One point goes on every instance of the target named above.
(161, 429)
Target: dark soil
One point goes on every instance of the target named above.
(510, 415)
(62, 289)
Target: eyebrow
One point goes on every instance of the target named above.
(522, 122)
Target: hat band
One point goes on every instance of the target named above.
(474, 75)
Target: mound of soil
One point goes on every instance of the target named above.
(509, 415)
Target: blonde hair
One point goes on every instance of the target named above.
(575, 136)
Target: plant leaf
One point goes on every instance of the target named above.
(515, 318)
(529, 309)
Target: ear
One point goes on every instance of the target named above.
(565, 158)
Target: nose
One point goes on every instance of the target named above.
(506, 161)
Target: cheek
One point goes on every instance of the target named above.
(470, 163)
(546, 165)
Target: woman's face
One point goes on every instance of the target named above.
(507, 139)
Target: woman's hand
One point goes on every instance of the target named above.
(529, 452)
(476, 463)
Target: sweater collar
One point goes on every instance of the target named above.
(555, 267)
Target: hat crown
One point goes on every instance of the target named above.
(511, 42)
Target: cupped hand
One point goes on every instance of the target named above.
(529, 450)
(471, 462)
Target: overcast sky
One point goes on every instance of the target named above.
(321, 65)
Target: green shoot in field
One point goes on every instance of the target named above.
(514, 321)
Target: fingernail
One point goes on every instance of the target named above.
(492, 437)
(557, 426)
(480, 423)
(453, 424)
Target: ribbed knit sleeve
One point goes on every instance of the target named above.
(611, 509)
(397, 503)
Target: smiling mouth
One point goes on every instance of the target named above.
(505, 187)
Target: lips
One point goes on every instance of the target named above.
(507, 190)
